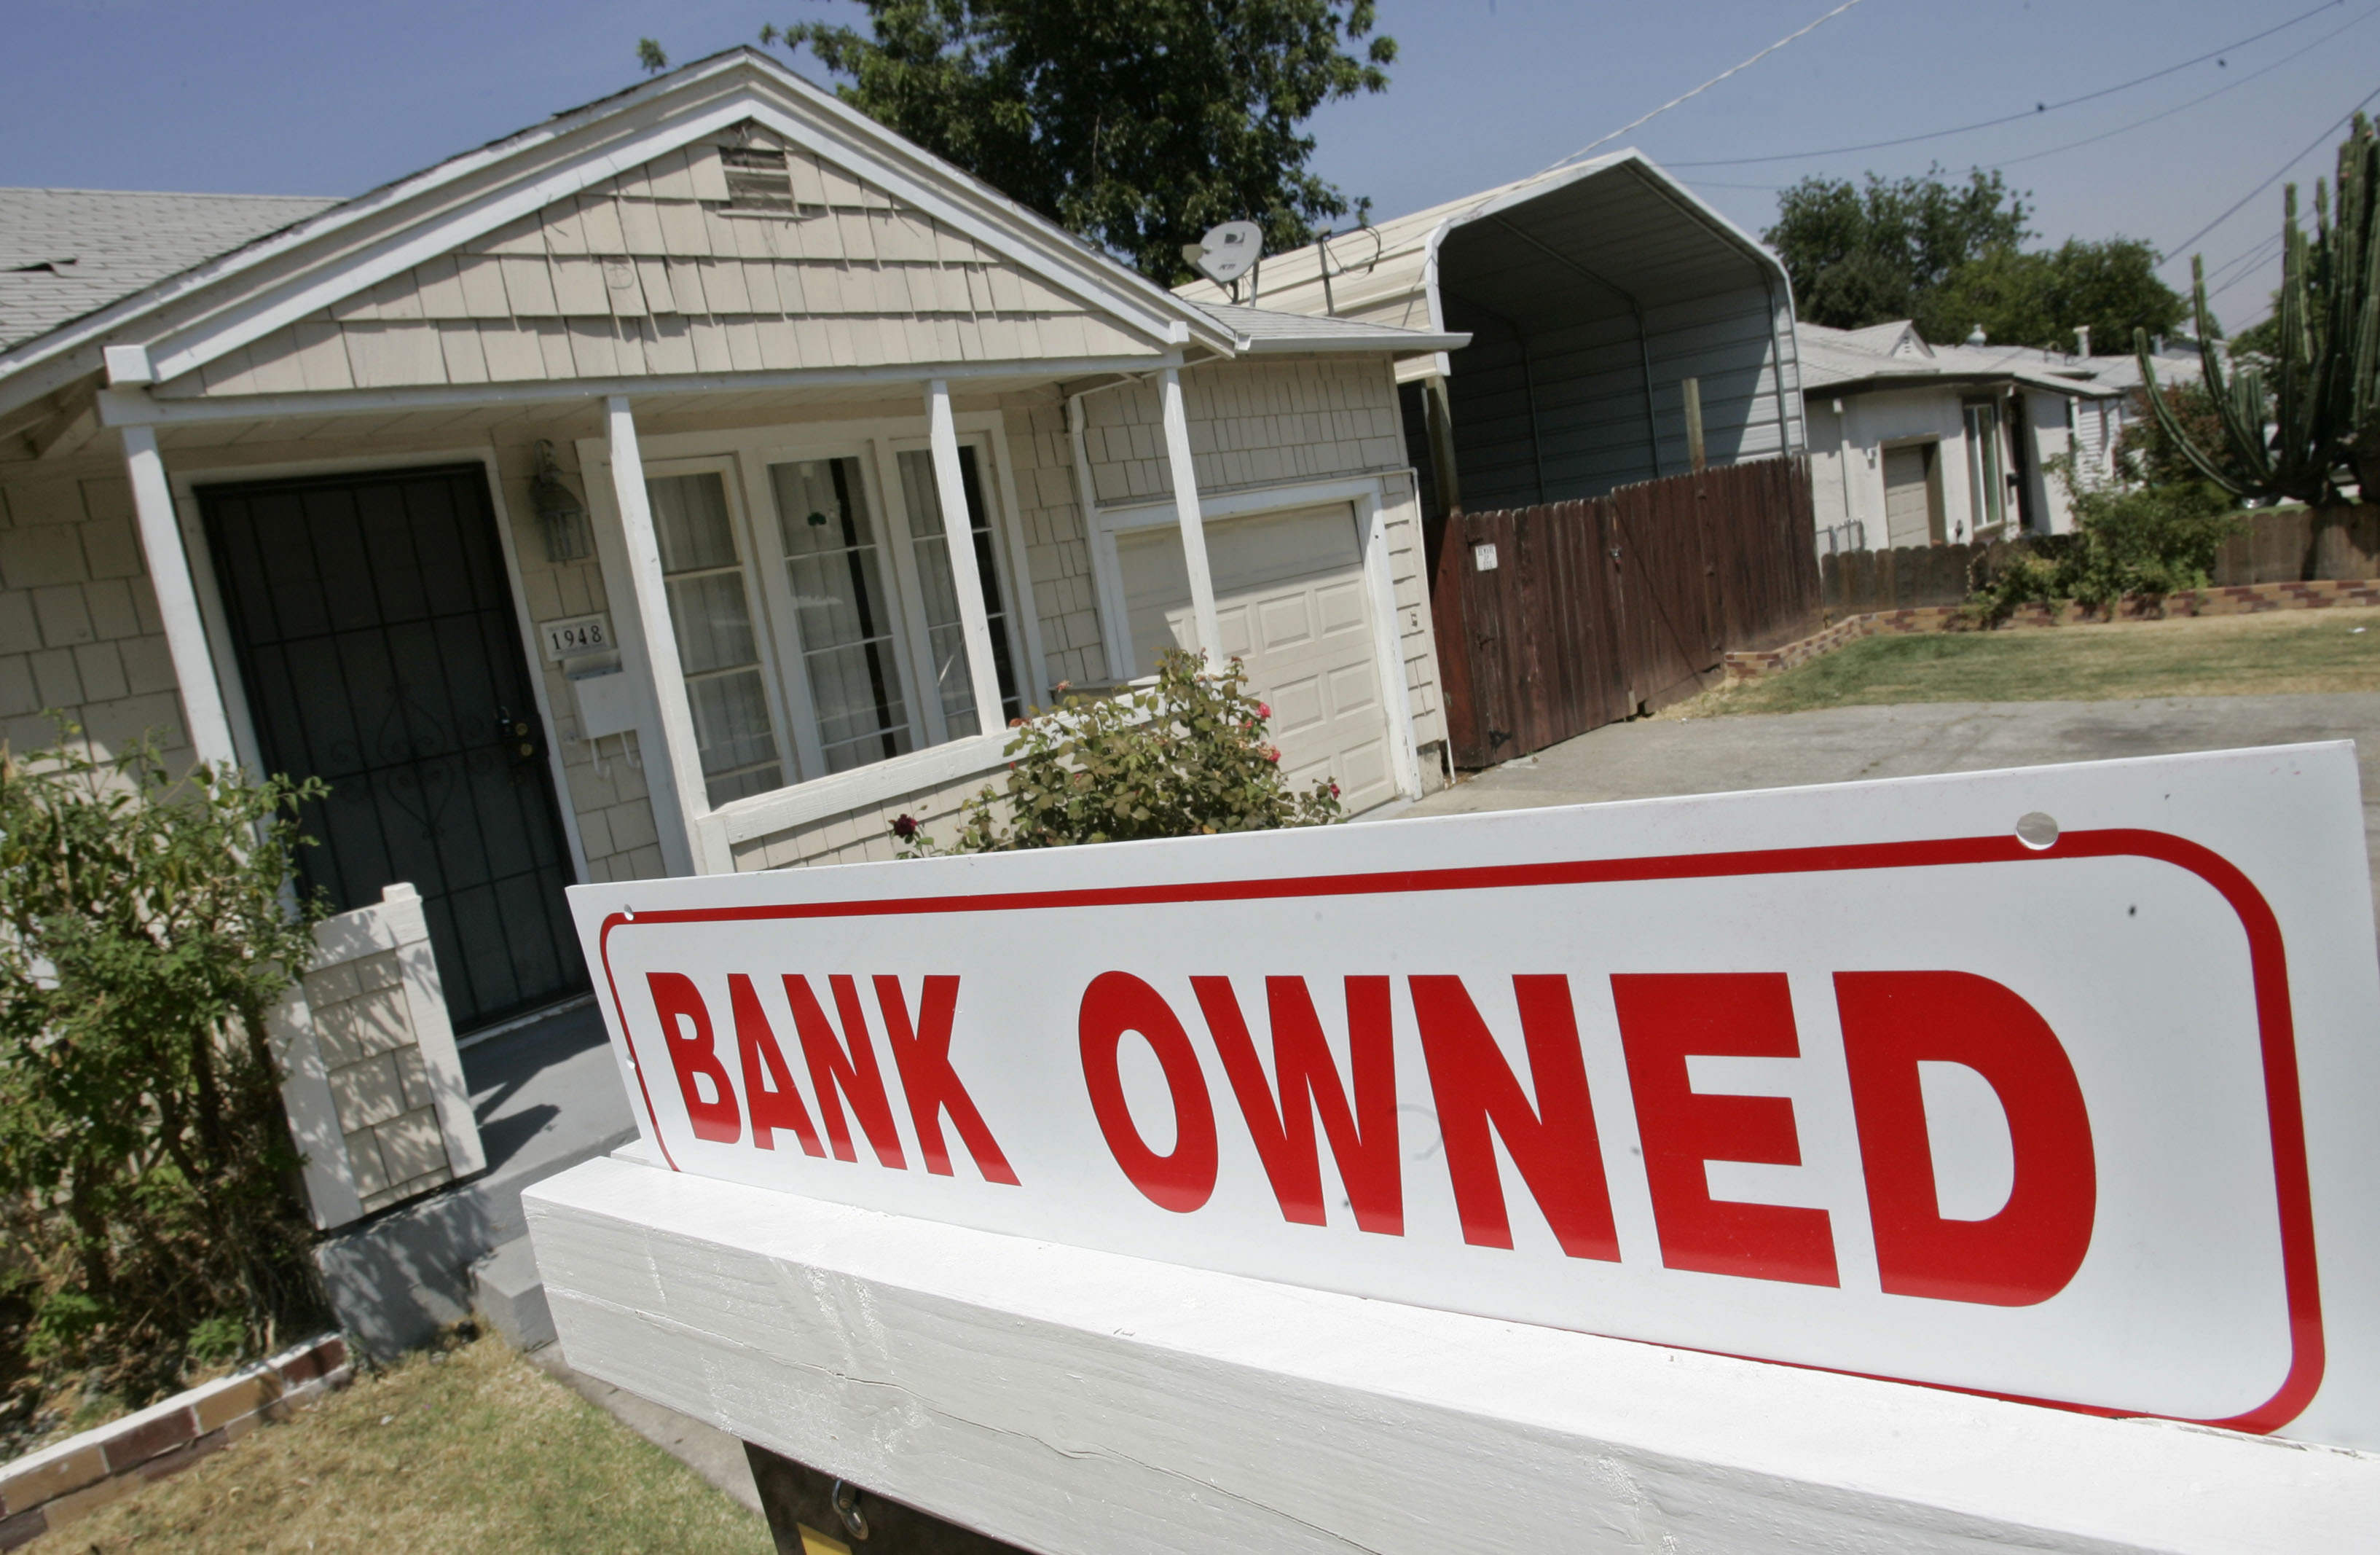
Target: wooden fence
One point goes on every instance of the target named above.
(1555, 620)
(2294, 545)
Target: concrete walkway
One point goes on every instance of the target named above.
(547, 1096)
(1658, 756)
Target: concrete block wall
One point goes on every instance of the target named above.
(79, 625)
(387, 1111)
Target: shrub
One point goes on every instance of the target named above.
(2147, 541)
(2154, 540)
(1183, 758)
(146, 1170)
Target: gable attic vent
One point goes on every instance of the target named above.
(758, 180)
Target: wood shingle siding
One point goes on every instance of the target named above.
(650, 275)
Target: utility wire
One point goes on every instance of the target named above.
(2109, 134)
(1715, 80)
(2229, 86)
(2315, 144)
(2038, 108)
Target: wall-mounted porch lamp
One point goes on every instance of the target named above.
(559, 511)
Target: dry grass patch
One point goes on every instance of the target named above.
(465, 1447)
(2279, 654)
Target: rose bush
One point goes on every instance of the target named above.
(1185, 757)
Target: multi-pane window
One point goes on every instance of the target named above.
(717, 648)
(834, 570)
(938, 592)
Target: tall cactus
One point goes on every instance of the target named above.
(2324, 407)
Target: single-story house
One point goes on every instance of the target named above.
(1597, 297)
(694, 481)
(1913, 443)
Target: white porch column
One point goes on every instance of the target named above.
(975, 625)
(177, 600)
(685, 764)
(1186, 510)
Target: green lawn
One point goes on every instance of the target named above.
(2277, 653)
(467, 1449)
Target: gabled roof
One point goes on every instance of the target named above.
(1892, 356)
(67, 252)
(195, 314)
(1387, 273)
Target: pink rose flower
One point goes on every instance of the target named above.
(1263, 712)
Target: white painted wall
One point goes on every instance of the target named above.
(1090, 1404)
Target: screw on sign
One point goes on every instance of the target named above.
(2025, 1083)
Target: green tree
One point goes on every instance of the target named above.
(1138, 125)
(2040, 298)
(1862, 256)
(2149, 450)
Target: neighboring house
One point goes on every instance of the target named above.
(1592, 294)
(1918, 444)
(692, 482)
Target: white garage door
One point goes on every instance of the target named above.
(1291, 602)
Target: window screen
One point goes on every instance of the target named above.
(710, 612)
(836, 574)
(946, 638)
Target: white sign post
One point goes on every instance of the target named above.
(2057, 1086)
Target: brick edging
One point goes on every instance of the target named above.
(2236, 599)
(45, 1489)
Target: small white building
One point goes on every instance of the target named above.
(1918, 444)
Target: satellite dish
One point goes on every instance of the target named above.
(1224, 255)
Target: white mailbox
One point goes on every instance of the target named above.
(607, 705)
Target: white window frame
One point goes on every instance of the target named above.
(745, 454)
(741, 514)
(1008, 535)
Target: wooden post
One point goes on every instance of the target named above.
(1693, 391)
(209, 729)
(958, 529)
(1186, 511)
(685, 755)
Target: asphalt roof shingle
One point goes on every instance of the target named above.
(67, 252)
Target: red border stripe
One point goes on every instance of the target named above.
(2269, 967)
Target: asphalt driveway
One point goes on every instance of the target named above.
(1656, 757)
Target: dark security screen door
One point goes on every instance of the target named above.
(377, 641)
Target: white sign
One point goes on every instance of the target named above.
(2055, 1083)
(1483, 557)
(576, 637)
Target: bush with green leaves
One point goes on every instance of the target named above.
(2144, 541)
(147, 1177)
(1183, 758)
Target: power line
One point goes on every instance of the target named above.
(2204, 97)
(1715, 80)
(2038, 108)
(2331, 128)
(2110, 134)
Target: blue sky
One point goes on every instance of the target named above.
(331, 97)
